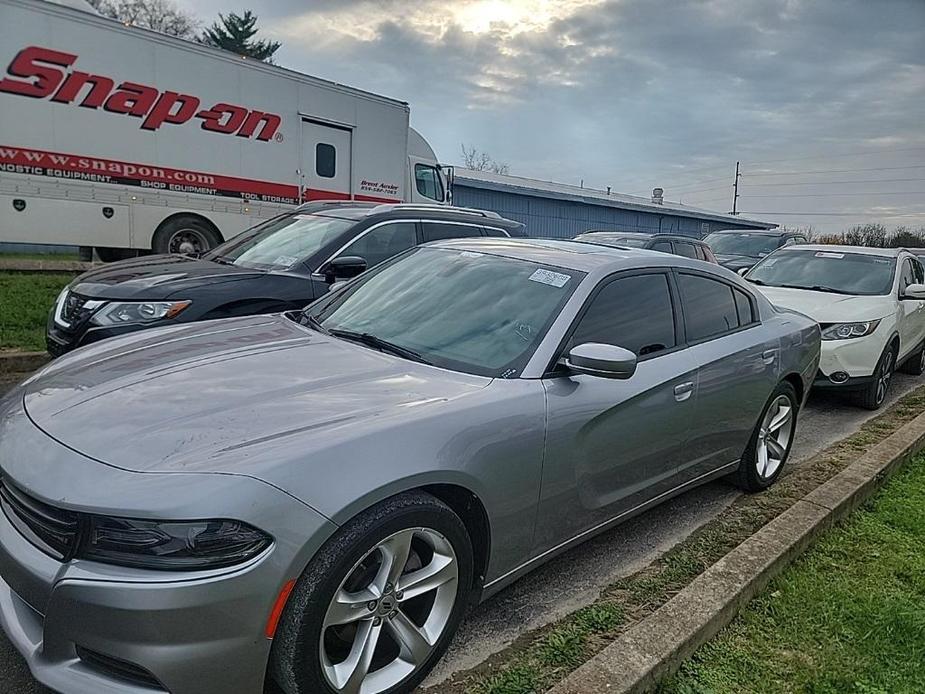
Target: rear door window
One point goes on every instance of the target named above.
(685, 249)
(663, 246)
(709, 307)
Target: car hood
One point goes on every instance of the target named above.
(825, 307)
(155, 277)
(203, 397)
(736, 262)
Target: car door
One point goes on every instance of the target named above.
(738, 361)
(610, 442)
(911, 311)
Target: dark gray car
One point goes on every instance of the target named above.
(317, 496)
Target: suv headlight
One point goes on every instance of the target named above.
(846, 331)
(137, 311)
(171, 545)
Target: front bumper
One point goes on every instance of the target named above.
(60, 341)
(87, 627)
(856, 357)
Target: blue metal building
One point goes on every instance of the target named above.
(561, 211)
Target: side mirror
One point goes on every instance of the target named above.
(605, 361)
(344, 268)
(742, 271)
(914, 291)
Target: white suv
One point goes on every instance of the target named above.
(869, 302)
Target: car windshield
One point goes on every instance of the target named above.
(472, 312)
(280, 242)
(831, 271)
(753, 245)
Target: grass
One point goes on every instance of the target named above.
(25, 299)
(540, 658)
(849, 616)
(40, 256)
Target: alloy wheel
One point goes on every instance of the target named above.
(884, 376)
(388, 614)
(774, 436)
(187, 241)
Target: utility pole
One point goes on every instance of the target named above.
(735, 190)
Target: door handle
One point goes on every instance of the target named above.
(768, 355)
(683, 391)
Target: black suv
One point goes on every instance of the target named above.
(740, 249)
(282, 264)
(676, 244)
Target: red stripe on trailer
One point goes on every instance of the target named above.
(36, 162)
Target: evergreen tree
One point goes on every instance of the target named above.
(234, 33)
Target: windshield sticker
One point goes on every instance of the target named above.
(286, 260)
(553, 279)
(829, 254)
(470, 254)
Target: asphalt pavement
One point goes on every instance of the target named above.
(576, 578)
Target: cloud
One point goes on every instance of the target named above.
(633, 93)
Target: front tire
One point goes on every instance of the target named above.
(769, 446)
(378, 605)
(874, 394)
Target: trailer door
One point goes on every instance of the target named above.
(326, 161)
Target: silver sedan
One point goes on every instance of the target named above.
(316, 497)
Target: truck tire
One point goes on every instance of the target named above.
(185, 234)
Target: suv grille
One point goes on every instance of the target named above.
(53, 530)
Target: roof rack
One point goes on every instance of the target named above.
(415, 206)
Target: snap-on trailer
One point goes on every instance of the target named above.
(121, 138)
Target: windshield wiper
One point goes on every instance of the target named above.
(220, 259)
(817, 288)
(754, 281)
(378, 343)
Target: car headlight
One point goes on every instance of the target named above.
(171, 545)
(846, 331)
(137, 311)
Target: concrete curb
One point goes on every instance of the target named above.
(655, 648)
(28, 265)
(16, 362)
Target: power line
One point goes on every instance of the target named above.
(804, 173)
(836, 156)
(862, 213)
(832, 183)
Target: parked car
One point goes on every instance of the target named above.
(870, 303)
(282, 264)
(739, 250)
(319, 495)
(677, 244)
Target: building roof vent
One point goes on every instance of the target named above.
(658, 196)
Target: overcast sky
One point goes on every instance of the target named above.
(638, 93)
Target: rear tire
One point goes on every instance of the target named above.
(769, 447)
(185, 234)
(875, 393)
(915, 364)
(347, 598)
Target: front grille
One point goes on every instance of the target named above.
(119, 669)
(53, 530)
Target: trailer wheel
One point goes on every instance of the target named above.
(185, 234)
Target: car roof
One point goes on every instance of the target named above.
(354, 210)
(863, 250)
(570, 255)
(758, 232)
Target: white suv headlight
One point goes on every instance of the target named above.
(846, 331)
(137, 311)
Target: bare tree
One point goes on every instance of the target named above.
(158, 15)
(482, 161)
